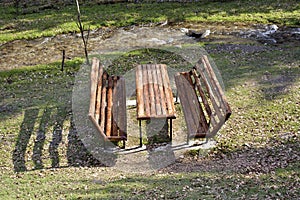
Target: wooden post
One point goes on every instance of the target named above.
(63, 60)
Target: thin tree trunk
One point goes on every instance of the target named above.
(81, 28)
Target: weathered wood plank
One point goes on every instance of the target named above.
(157, 95)
(98, 98)
(109, 107)
(115, 107)
(218, 87)
(93, 85)
(209, 87)
(167, 91)
(195, 107)
(183, 92)
(139, 90)
(146, 99)
(201, 93)
(151, 90)
(161, 92)
(103, 102)
(122, 115)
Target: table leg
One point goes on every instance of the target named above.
(171, 130)
(141, 135)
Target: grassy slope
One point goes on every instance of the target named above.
(260, 116)
(51, 22)
(263, 90)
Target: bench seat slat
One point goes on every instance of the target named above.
(161, 92)
(115, 108)
(99, 92)
(150, 84)
(103, 103)
(157, 94)
(145, 92)
(167, 90)
(122, 116)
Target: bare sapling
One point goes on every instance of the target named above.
(81, 28)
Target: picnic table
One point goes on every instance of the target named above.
(154, 94)
(204, 104)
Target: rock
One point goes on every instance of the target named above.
(195, 34)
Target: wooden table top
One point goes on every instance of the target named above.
(154, 93)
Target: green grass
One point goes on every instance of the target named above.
(257, 151)
(38, 98)
(52, 22)
(95, 183)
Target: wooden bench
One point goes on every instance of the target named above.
(204, 105)
(108, 104)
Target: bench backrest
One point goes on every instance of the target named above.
(203, 101)
(108, 103)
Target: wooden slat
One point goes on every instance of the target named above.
(195, 107)
(97, 126)
(218, 87)
(208, 88)
(122, 115)
(117, 138)
(203, 98)
(182, 88)
(145, 100)
(214, 90)
(108, 125)
(201, 92)
(139, 90)
(103, 102)
(167, 91)
(93, 86)
(115, 107)
(98, 98)
(150, 71)
(157, 95)
(161, 92)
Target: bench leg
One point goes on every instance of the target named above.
(141, 135)
(123, 147)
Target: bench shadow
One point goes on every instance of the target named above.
(25, 133)
(76, 153)
(40, 139)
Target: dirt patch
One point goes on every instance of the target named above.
(223, 38)
(248, 160)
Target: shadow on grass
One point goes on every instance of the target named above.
(272, 69)
(23, 139)
(47, 132)
(77, 154)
